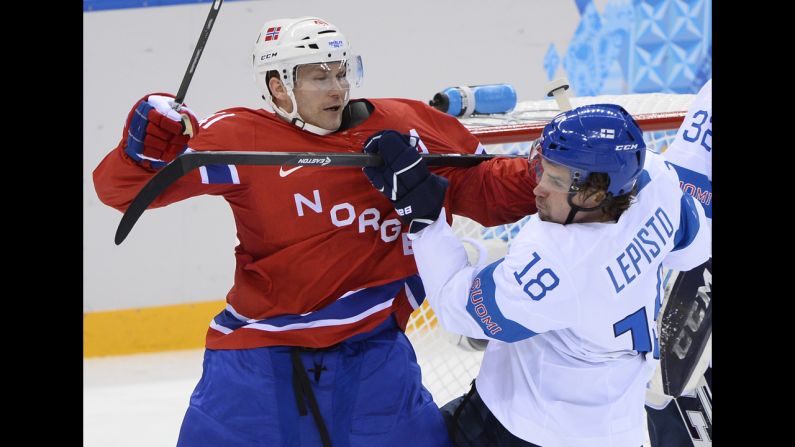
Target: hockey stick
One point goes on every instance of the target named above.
(194, 61)
(192, 160)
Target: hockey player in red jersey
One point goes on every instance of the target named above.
(310, 349)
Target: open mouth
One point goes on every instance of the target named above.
(332, 109)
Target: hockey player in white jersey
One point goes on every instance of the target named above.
(691, 150)
(686, 374)
(570, 311)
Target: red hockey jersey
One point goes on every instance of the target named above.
(322, 255)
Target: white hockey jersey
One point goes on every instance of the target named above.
(691, 150)
(691, 155)
(570, 311)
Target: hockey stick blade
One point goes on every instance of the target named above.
(192, 160)
(686, 326)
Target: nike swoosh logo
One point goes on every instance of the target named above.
(283, 173)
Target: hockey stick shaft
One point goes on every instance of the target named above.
(193, 160)
(197, 52)
(194, 61)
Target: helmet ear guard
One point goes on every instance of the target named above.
(596, 138)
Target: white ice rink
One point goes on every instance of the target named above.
(137, 400)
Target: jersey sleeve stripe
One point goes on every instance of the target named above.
(219, 174)
(643, 179)
(482, 307)
(209, 121)
(697, 185)
(688, 223)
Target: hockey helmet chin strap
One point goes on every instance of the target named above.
(303, 125)
(576, 208)
(296, 120)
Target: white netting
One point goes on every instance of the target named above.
(449, 362)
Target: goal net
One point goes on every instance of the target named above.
(449, 361)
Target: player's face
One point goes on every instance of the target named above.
(552, 194)
(321, 91)
(552, 190)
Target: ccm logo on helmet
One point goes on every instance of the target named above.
(626, 147)
(267, 56)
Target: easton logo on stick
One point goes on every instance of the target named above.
(313, 161)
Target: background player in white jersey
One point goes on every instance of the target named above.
(310, 348)
(570, 310)
(687, 419)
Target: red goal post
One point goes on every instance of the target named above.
(513, 133)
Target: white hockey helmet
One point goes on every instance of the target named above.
(284, 44)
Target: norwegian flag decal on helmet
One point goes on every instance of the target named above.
(272, 33)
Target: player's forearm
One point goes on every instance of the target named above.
(117, 179)
(446, 276)
(495, 192)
